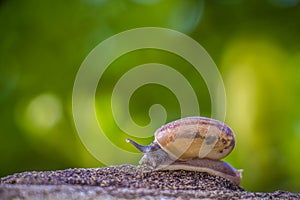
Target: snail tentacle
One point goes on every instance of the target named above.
(141, 148)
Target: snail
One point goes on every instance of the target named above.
(193, 144)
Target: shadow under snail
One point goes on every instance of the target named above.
(193, 144)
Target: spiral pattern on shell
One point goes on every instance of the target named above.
(196, 137)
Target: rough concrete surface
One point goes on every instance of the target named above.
(125, 182)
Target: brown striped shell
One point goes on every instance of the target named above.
(195, 137)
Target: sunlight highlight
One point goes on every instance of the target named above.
(44, 111)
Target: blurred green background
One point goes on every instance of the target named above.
(255, 44)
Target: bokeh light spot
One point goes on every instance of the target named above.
(186, 15)
(44, 111)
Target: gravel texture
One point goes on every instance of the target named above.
(125, 182)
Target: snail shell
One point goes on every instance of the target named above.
(196, 137)
(192, 143)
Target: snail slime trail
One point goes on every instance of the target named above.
(193, 144)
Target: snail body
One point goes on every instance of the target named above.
(194, 144)
(214, 167)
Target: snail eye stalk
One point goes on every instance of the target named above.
(141, 148)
